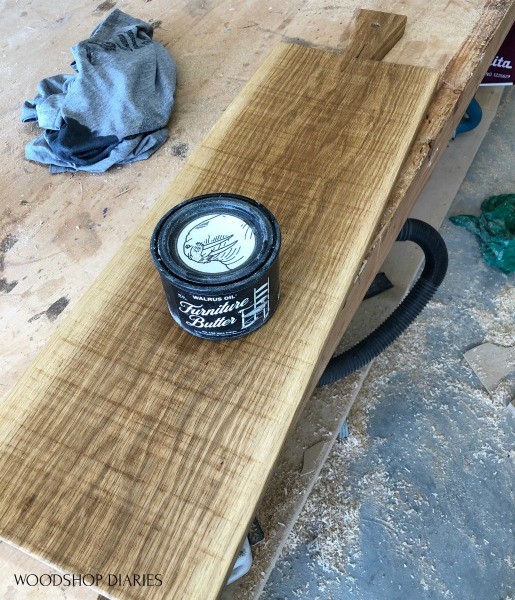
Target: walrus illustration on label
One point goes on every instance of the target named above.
(217, 242)
(217, 256)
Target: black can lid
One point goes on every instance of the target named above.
(215, 239)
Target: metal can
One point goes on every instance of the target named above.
(217, 256)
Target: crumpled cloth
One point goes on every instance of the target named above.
(495, 230)
(114, 109)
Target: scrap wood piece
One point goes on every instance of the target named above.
(491, 363)
(313, 457)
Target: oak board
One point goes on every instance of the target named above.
(132, 447)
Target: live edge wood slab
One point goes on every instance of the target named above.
(63, 426)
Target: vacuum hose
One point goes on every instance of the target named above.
(435, 267)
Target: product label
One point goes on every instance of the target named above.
(226, 315)
(501, 71)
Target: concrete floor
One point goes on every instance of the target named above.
(421, 493)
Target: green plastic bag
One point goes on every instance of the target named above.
(495, 229)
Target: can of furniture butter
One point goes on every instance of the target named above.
(217, 256)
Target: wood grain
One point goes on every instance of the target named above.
(365, 41)
(132, 447)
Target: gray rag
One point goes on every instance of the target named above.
(114, 110)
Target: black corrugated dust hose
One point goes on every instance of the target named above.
(435, 267)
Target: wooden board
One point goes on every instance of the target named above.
(133, 447)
